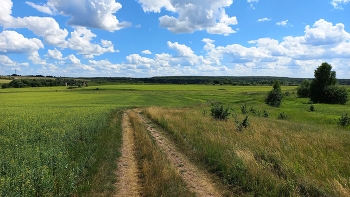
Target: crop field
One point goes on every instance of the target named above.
(56, 141)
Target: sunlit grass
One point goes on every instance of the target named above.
(50, 138)
(159, 177)
(269, 158)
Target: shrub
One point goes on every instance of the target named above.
(282, 116)
(303, 90)
(219, 113)
(243, 124)
(344, 120)
(312, 108)
(275, 96)
(335, 95)
(5, 85)
(244, 108)
(265, 114)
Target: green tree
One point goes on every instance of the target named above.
(275, 96)
(324, 76)
(303, 89)
(323, 87)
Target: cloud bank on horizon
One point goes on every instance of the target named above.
(144, 38)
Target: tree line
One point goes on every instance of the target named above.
(22, 83)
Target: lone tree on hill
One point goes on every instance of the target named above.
(275, 96)
(323, 87)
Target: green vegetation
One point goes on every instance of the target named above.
(275, 96)
(271, 157)
(22, 83)
(323, 87)
(160, 178)
(219, 113)
(56, 141)
(303, 89)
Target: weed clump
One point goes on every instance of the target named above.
(344, 120)
(219, 113)
(244, 108)
(312, 108)
(282, 116)
(265, 114)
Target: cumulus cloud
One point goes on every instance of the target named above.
(90, 13)
(45, 27)
(337, 3)
(55, 54)
(264, 19)
(321, 42)
(6, 61)
(46, 8)
(147, 52)
(193, 15)
(324, 33)
(80, 41)
(13, 42)
(182, 50)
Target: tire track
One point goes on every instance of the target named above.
(198, 181)
(128, 184)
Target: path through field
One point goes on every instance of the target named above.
(129, 184)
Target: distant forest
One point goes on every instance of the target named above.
(222, 80)
(42, 81)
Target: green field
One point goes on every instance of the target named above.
(53, 140)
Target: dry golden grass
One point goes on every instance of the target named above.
(158, 175)
(271, 157)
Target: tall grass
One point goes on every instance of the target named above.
(159, 177)
(101, 177)
(270, 158)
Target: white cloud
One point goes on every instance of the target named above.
(324, 33)
(6, 61)
(337, 3)
(45, 27)
(80, 41)
(36, 59)
(183, 50)
(13, 42)
(156, 5)
(46, 8)
(147, 52)
(5, 11)
(106, 43)
(55, 54)
(193, 15)
(264, 19)
(73, 59)
(90, 13)
(282, 23)
(136, 59)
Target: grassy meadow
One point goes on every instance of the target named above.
(56, 141)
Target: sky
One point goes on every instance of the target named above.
(146, 38)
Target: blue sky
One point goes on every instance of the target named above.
(145, 38)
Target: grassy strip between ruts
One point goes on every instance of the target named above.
(101, 178)
(269, 158)
(158, 176)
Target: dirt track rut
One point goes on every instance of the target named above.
(128, 184)
(198, 181)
